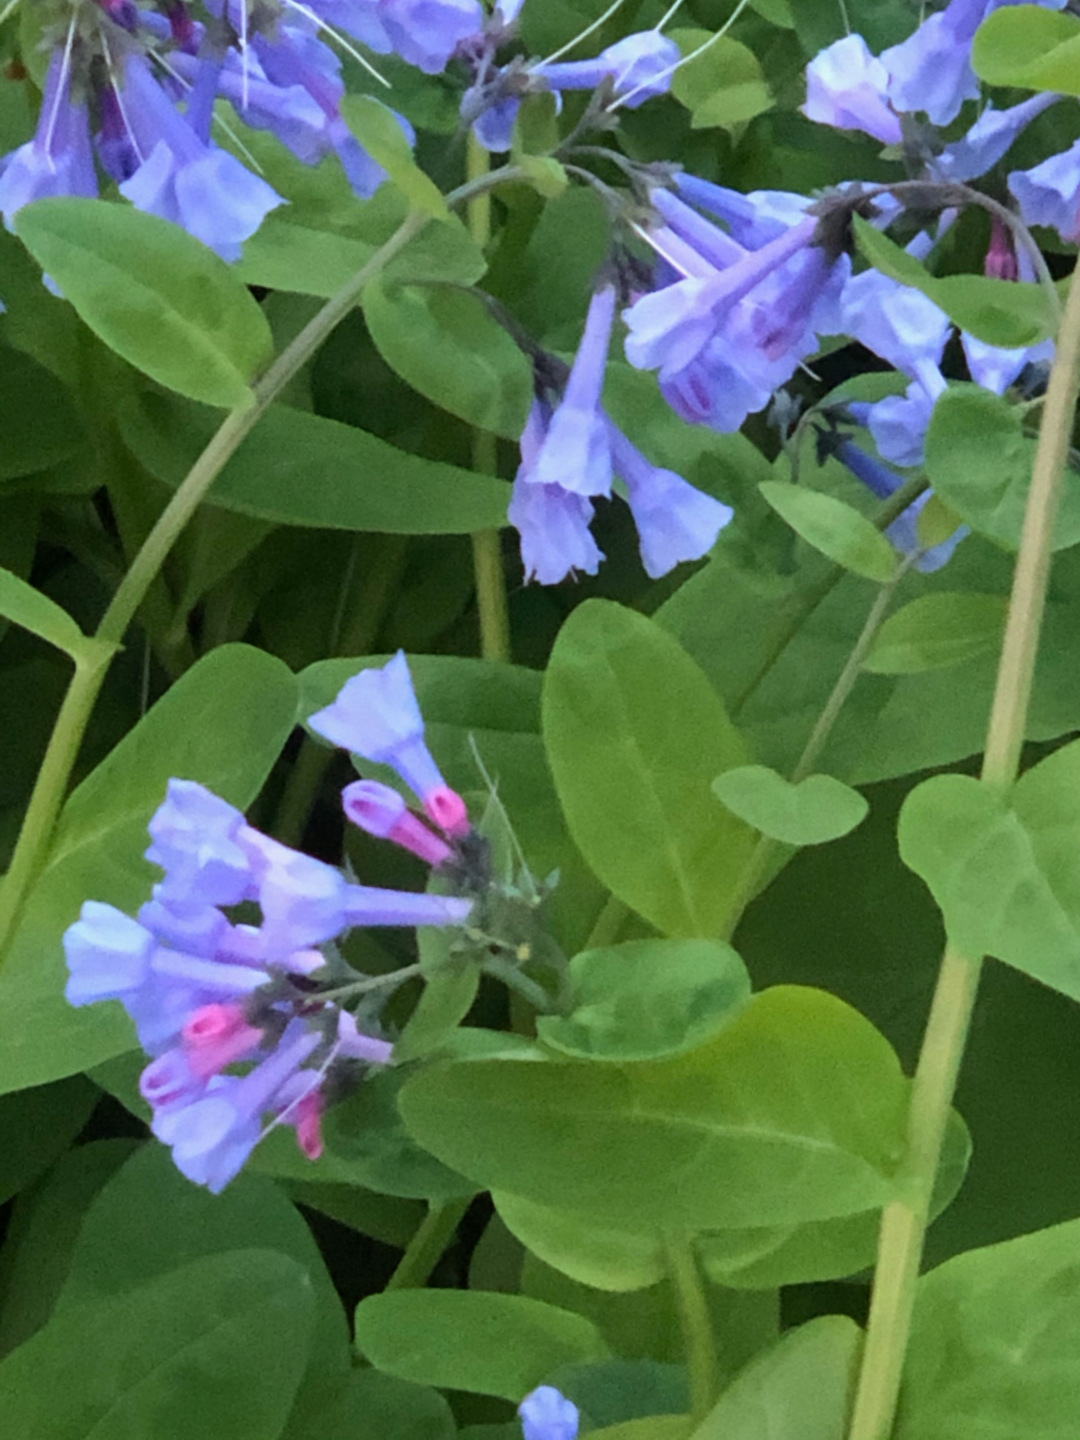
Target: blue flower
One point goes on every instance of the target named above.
(427, 32)
(846, 87)
(58, 160)
(903, 532)
(377, 716)
(574, 452)
(553, 522)
(639, 67)
(1049, 193)
(899, 422)
(989, 139)
(547, 1414)
(898, 323)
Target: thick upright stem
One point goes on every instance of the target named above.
(699, 1342)
(904, 1222)
(486, 545)
(427, 1246)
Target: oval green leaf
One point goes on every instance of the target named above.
(816, 810)
(834, 528)
(1029, 47)
(936, 631)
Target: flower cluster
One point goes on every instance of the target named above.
(232, 962)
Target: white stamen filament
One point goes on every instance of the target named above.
(216, 119)
(111, 68)
(670, 15)
(282, 1118)
(339, 39)
(685, 60)
(584, 35)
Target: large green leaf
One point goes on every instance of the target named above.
(472, 1339)
(1029, 47)
(447, 345)
(214, 1349)
(296, 468)
(154, 294)
(724, 85)
(1002, 867)
(799, 1390)
(37, 1126)
(635, 736)
(224, 724)
(792, 1113)
(938, 631)
(995, 1344)
(41, 425)
(368, 1405)
(979, 461)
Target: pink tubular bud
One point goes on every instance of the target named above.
(216, 1036)
(447, 809)
(1001, 262)
(307, 1118)
(382, 812)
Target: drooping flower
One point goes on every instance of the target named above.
(899, 423)
(427, 32)
(903, 532)
(846, 87)
(1049, 193)
(58, 160)
(995, 367)
(381, 811)
(639, 68)
(377, 716)
(989, 139)
(553, 522)
(547, 1414)
(574, 452)
(898, 323)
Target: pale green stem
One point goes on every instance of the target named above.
(486, 544)
(36, 831)
(903, 1226)
(699, 1342)
(427, 1246)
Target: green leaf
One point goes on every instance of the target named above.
(214, 1349)
(37, 1126)
(979, 460)
(223, 723)
(647, 999)
(995, 1343)
(833, 527)
(1029, 47)
(792, 1113)
(379, 131)
(1002, 866)
(800, 1390)
(296, 468)
(817, 809)
(149, 1219)
(724, 85)
(633, 785)
(41, 425)
(20, 602)
(369, 1405)
(154, 294)
(447, 345)
(602, 1256)
(936, 631)
(474, 1340)
(652, 1427)
(1009, 313)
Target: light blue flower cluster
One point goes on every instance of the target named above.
(209, 991)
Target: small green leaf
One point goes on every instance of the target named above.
(24, 605)
(1009, 313)
(547, 175)
(476, 1340)
(1029, 47)
(154, 294)
(446, 344)
(536, 129)
(979, 460)
(724, 85)
(603, 1256)
(936, 631)
(379, 131)
(834, 528)
(816, 810)
(1002, 866)
(647, 998)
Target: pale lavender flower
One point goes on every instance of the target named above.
(996, 368)
(200, 187)
(899, 422)
(1049, 193)
(195, 837)
(989, 139)
(381, 811)
(639, 67)
(377, 716)
(903, 532)
(427, 32)
(58, 160)
(547, 1414)
(574, 452)
(108, 954)
(553, 522)
(675, 521)
(846, 87)
(752, 220)
(898, 323)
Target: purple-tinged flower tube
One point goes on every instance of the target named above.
(547, 1414)
(675, 521)
(58, 160)
(377, 716)
(195, 840)
(640, 68)
(370, 905)
(553, 523)
(903, 532)
(898, 323)
(382, 812)
(1049, 193)
(721, 387)
(752, 220)
(354, 1045)
(899, 422)
(931, 70)
(200, 187)
(574, 453)
(713, 245)
(108, 954)
(996, 368)
(989, 139)
(846, 87)
(427, 32)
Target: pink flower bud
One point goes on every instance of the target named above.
(307, 1118)
(216, 1036)
(382, 812)
(447, 809)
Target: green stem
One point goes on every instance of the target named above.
(37, 828)
(699, 1341)
(488, 566)
(904, 1222)
(608, 923)
(427, 1246)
